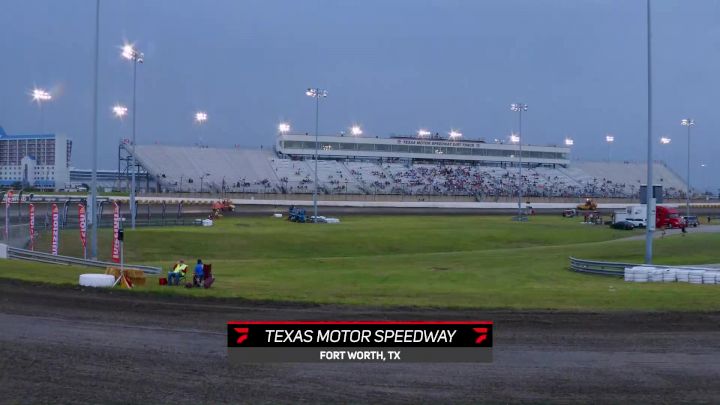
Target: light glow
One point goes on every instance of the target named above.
(40, 95)
(609, 138)
(514, 138)
(569, 142)
(201, 117)
(423, 133)
(664, 140)
(119, 110)
(283, 127)
(356, 130)
(455, 134)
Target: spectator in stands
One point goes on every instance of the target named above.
(199, 274)
(177, 272)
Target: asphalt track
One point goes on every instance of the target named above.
(69, 345)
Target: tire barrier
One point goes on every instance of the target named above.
(638, 273)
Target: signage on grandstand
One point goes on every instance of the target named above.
(55, 229)
(423, 142)
(347, 341)
(116, 233)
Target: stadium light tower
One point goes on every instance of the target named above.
(519, 108)
(609, 139)
(92, 204)
(283, 128)
(130, 53)
(317, 94)
(423, 133)
(689, 123)
(356, 130)
(40, 96)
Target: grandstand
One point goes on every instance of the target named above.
(546, 173)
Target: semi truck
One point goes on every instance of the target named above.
(665, 217)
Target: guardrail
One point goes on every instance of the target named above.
(24, 254)
(601, 268)
(616, 269)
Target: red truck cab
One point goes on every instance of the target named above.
(667, 218)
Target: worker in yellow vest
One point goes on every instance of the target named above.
(177, 272)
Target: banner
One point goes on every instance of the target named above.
(83, 228)
(8, 201)
(55, 229)
(116, 232)
(32, 226)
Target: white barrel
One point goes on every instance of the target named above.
(97, 280)
(669, 275)
(682, 275)
(629, 272)
(710, 277)
(640, 275)
(696, 276)
(655, 275)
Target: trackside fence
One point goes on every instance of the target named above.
(24, 254)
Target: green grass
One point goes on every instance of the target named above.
(440, 261)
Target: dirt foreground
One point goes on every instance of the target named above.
(66, 345)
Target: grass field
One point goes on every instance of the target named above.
(439, 261)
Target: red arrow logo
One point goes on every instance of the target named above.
(483, 335)
(243, 334)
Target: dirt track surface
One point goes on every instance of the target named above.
(64, 345)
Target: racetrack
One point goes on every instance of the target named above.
(68, 345)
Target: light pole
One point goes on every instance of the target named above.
(40, 96)
(649, 189)
(130, 53)
(609, 139)
(519, 108)
(317, 94)
(201, 181)
(689, 123)
(92, 206)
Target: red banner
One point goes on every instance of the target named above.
(116, 233)
(55, 229)
(32, 226)
(83, 228)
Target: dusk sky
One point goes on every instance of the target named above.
(391, 66)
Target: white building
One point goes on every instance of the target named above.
(37, 161)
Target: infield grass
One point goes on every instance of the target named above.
(439, 261)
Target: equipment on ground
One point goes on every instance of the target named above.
(589, 205)
(569, 213)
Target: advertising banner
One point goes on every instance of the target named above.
(55, 228)
(116, 233)
(32, 226)
(83, 228)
